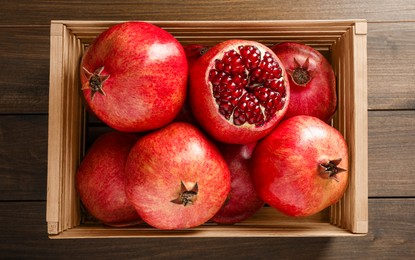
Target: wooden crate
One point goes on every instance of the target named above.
(343, 42)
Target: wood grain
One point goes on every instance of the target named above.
(41, 12)
(391, 67)
(24, 69)
(23, 157)
(23, 154)
(390, 236)
(391, 153)
(24, 78)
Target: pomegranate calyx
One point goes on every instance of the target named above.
(96, 81)
(203, 50)
(330, 170)
(186, 196)
(301, 74)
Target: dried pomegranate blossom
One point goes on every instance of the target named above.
(248, 86)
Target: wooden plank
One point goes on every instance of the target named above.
(23, 154)
(23, 157)
(391, 153)
(29, 12)
(24, 69)
(391, 230)
(391, 68)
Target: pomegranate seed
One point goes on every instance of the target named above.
(247, 86)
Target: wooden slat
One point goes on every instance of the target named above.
(390, 236)
(391, 153)
(29, 12)
(391, 67)
(23, 157)
(24, 69)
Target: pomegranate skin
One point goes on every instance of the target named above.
(193, 52)
(242, 202)
(160, 162)
(317, 97)
(205, 108)
(100, 180)
(143, 71)
(286, 167)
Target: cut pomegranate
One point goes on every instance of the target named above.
(238, 91)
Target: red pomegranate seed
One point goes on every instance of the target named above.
(247, 86)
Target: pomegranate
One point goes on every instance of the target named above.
(301, 167)
(100, 180)
(238, 91)
(176, 177)
(134, 77)
(312, 81)
(193, 52)
(242, 202)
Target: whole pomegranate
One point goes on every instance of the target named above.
(238, 91)
(100, 180)
(134, 77)
(193, 52)
(242, 202)
(176, 177)
(301, 167)
(312, 81)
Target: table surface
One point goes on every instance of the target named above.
(24, 82)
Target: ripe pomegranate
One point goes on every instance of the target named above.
(312, 81)
(193, 52)
(301, 167)
(238, 91)
(176, 177)
(242, 202)
(100, 180)
(134, 77)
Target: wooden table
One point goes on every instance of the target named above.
(24, 76)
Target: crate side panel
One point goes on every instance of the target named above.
(359, 204)
(55, 121)
(75, 121)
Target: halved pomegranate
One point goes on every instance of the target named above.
(238, 91)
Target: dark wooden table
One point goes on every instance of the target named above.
(24, 76)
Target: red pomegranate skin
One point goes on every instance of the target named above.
(157, 165)
(193, 52)
(206, 109)
(286, 166)
(317, 97)
(100, 180)
(242, 202)
(147, 81)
